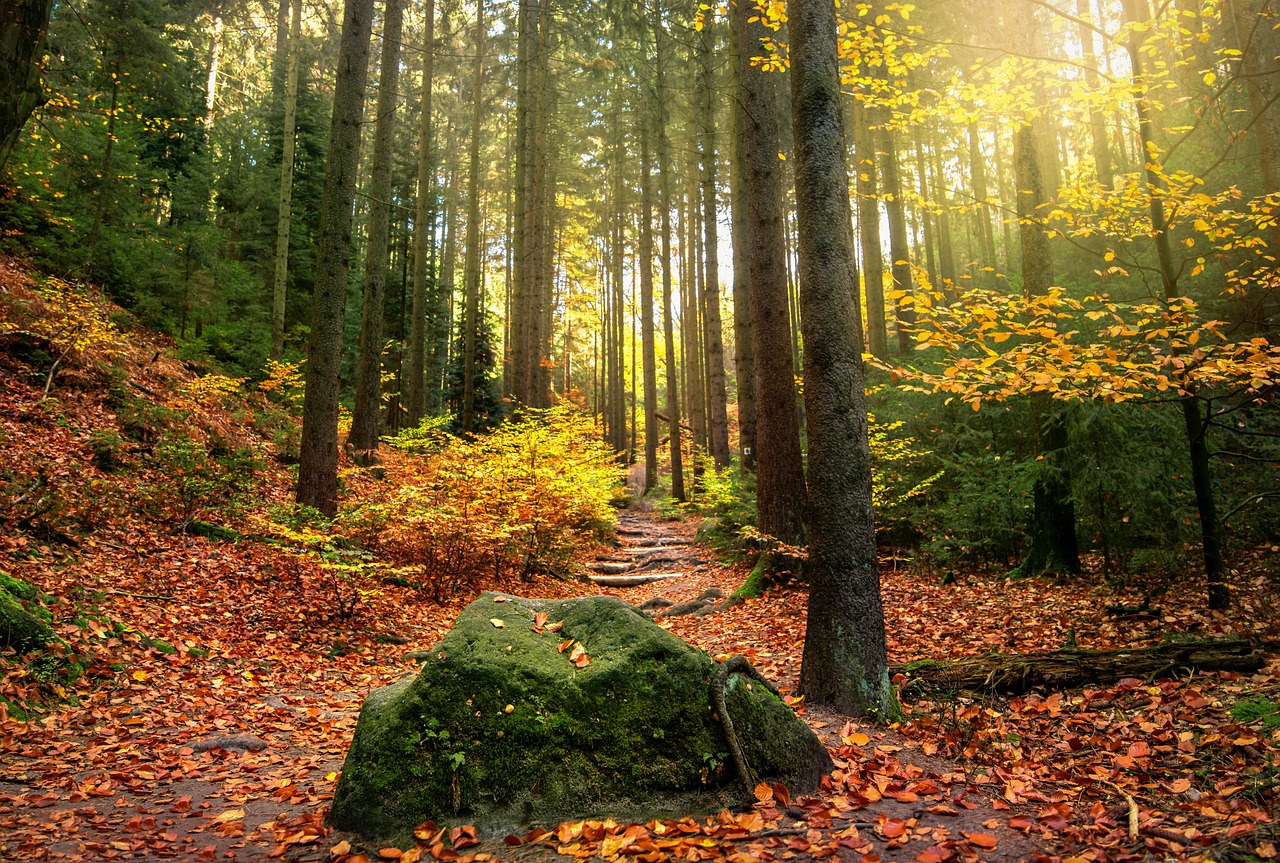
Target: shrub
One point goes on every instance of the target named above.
(516, 501)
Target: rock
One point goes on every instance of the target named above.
(24, 622)
(242, 742)
(502, 730)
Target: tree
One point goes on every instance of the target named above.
(364, 419)
(471, 273)
(718, 422)
(423, 227)
(284, 213)
(844, 662)
(22, 28)
(664, 203)
(318, 465)
(780, 492)
(1053, 520)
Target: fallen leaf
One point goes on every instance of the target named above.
(498, 624)
(982, 840)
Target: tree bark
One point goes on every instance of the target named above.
(899, 246)
(743, 349)
(645, 263)
(21, 90)
(471, 267)
(844, 662)
(869, 230)
(668, 326)
(284, 217)
(1053, 521)
(1219, 595)
(423, 228)
(780, 490)
(717, 399)
(368, 404)
(318, 466)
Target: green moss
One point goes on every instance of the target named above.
(1250, 710)
(754, 584)
(630, 735)
(920, 665)
(19, 628)
(19, 588)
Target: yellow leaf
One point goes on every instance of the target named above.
(140, 675)
(497, 622)
(230, 815)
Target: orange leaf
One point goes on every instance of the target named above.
(893, 828)
(343, 847)
(983, 840)
(764, 792)
(781, 794)
(564, 645)
(390, 853)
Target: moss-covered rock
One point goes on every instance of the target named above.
(500, 728)
(20, 628)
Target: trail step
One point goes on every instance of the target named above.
(633, 580)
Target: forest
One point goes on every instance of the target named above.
(924, 354)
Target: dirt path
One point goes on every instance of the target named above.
(250, 778)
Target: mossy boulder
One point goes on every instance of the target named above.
(24, 622)
(502, 730)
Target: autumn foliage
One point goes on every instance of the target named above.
(519, 500)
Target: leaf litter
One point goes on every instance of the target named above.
(138, 763)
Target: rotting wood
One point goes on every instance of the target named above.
(1063, 669)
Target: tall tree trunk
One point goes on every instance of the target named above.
(691, 327)
(318, 467)
(946, 255)
(1053, 521)
(716, 396)
(1196, 425)
(780, 490)
(844, 662)
(668, 327)
(899, 246)
(364, 418)
(869, 230)
(978, 179)
(645, 263)
(471, 273)
(284, 215)
(1254, 36)
(22, 30)
(1097, 122)
(743, 349)
(423, 230)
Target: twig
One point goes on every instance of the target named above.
(158, 597)
(1133, 809)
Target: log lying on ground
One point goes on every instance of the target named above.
(1063, 669)
(631, 580)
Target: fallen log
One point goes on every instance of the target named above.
(631, 580)
(1013, 673)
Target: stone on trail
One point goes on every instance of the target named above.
(503, 729)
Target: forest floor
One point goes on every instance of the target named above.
(230, 746)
